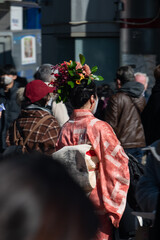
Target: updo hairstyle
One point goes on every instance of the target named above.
(81, 93)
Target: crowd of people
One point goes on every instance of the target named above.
(62, 107)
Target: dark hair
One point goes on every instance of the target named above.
(125, 74)
(157, 73)
(81, 93)
(104, 90)
(9, 69)
(39, 200)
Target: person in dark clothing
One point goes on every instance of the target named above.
(151, 113)
(104, 92)
(11, 71)
(123, 114)
(8, 90)
(124, 109)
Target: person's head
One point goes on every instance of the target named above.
(37, 92)
(123, 75)
(104, 91)
(7, 76)
(40, 201)
(157, 73)
(84, 95)
(44, 73)
(142, 78)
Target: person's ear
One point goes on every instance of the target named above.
(92, 100)
(14, 77)
(118, 83)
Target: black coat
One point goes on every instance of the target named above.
(151, 116)
(10, 114)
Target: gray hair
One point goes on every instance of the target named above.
(143, 74)
(44, 72)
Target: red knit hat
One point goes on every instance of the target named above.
(36, 90)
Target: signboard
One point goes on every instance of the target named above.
(16, 21)
(28, 49)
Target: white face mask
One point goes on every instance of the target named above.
(95, 106)
(7, 80)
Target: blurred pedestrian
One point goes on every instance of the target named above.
(104, 92)
(11, 71)
(151, 113)
(59, 110)
(143, 79)
(40, 201)
(44, 138)
(8, 90)
(124, 109)
(148, 186)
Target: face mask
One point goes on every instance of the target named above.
(95, 107)
(7, 80)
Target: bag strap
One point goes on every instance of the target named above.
(33, 129)
(15, 135)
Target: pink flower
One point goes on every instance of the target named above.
(86, 70)
(79, 65)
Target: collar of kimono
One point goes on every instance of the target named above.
(82, 113)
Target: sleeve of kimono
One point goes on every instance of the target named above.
(113, 180)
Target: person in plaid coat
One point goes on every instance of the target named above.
(44, 138)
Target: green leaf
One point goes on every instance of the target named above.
(98, 78)
(71, 73)
(94, 69)
(59, 91)
(70, 83)
(89, 81)
(65, 99)
(82, 59)
(58, 99)
(73, 64)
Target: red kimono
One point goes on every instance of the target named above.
(110, 193)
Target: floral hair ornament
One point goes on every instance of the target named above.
(69, 74)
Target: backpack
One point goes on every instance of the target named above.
(82, 164)
(18, 148)
(136, 170)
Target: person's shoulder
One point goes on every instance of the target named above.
(118, 98)
(100, 125)
(118, 95)
(52, 122)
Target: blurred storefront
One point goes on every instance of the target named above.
(20, 36)
(100, 30)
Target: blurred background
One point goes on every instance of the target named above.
(109, 33)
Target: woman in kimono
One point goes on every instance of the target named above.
(109, 195)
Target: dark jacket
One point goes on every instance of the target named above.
(10, 114)
(123, 114)
(151, 116)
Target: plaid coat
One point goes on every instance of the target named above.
(109, 195)
(43, 139)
